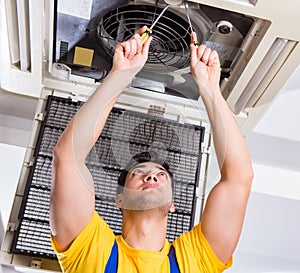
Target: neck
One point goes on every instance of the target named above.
(145, 229)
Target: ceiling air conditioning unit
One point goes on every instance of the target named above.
(56, 45)
(60, 51)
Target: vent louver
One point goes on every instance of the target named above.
(19, 33)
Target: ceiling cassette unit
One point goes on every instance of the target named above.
(86, 47)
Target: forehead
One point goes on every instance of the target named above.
(147, 165)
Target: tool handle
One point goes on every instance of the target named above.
(196, 44)
(146, 34)
(194, 39)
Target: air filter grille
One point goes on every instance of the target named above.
(125, 133)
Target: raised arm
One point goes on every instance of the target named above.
(225, 208)
(72, 200)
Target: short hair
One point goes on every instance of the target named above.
(140, 158)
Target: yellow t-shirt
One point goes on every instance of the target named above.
(91, 249)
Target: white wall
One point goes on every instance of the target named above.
(11, 158)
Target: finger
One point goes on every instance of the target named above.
(214, 59)
(193, 49)
(139, 43)
(141, 30)
(206, 55)
(126, 48)
(119, 49)
(194, 37)
(133, 47)
(200, 52)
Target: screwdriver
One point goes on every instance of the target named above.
(148, 31)
(196, 43)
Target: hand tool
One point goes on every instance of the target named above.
(196, 43)
(148, 31)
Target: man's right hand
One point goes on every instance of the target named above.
(132, 54)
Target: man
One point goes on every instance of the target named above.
(84, 242)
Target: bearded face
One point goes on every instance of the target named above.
(147, 186)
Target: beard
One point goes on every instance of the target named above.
(146, 199)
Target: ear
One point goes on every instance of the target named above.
(172, 208)
(119, 201)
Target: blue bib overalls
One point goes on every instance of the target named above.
(112, 264)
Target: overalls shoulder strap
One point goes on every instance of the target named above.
(174, 268)
(112, 264)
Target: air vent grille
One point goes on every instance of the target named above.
(17, 13)
(169, 49)
(125, 133)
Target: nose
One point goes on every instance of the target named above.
(151, 177)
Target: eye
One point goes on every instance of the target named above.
(163, 174)
(138, 172)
